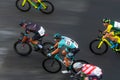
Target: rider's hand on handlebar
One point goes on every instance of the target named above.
(25, 34)
(104, 33)
(52, 48)
(49, 54)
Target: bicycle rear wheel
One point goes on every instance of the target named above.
(24, 8)
(49, 7)
(51, 65)
(23, 49)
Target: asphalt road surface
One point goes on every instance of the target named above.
(78, 19)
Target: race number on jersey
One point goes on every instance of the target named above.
(41, 31)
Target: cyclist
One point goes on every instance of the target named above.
(112, 30)
(71, 48)
(38, 31)
(87, 71)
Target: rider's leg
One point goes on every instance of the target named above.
(67, 62)
(24, 38)
(64, 52)
(106, 35)
(113, 39)
(35, 41)
(66, 58)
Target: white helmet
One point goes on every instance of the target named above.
(77, 65)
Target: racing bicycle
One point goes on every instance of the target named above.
(25, 48)
(54, 63)
(43, 5)
(99, 46)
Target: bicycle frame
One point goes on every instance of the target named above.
(33, 4)
(104, 40)
(108, 43)
(59, 59)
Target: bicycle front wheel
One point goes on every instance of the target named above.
(93, 46)
(51, 65)
(47, 7)
(24, 8)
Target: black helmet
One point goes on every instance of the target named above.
(106, 20)
(22, 23)
(57, 36)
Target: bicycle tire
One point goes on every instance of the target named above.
(25, 8)
(21, 53)
(81, 61)
(50, 66)
(46, 46)
(46, 10)
(97, 51)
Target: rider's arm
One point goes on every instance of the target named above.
(59, 45)
(55, 51)
(26, 31)
(108, 29)
(56, 45)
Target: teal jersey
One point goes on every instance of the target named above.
(67, 43)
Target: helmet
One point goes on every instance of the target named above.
(105, 20)
(57, 36)
(77, 65)
(22, 23)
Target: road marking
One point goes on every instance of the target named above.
(3, 52)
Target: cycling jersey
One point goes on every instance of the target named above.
(68, 43)
(114, 27)
(35, 29)
(90, 69)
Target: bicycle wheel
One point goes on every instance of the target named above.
(24, 8)
(51, 65)
(77, 61)
(93, 46)
(49, 7)
(23, 49)
(46, 48)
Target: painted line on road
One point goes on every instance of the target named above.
(3, 52)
